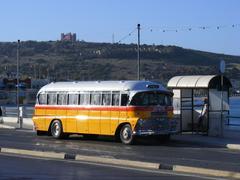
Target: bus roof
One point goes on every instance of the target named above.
(103, 86)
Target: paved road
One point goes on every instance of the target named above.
(172, 152)
(13, 167)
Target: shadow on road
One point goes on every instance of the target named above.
(143, 141)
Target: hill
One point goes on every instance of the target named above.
(81, 60)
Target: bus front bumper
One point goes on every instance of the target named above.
(155, 127)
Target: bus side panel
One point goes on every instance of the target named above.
(71, 120)
(39, 119)
(114, 121)
(50, 115)
(61, 114)
(133, 117)
(82, 121)
(105, 123)
(94, 121)
(123, 115)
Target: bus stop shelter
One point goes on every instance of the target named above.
(189, 92)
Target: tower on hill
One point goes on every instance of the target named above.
(68, 37)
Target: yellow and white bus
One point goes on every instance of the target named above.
(124, 109)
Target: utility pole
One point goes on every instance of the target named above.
(113, 39)
(138, 53)
(18, 112)
(222, 70)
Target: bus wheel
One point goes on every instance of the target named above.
(126, 134)
(56, 129)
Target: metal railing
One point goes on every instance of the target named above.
(11, 111)
(233, 120)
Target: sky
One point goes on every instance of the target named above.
(98, 20)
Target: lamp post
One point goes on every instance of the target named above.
(19, 120)
(222, 70)
(138, 54)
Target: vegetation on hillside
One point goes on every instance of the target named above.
(81, 60)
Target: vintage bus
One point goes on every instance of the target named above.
(124, 109)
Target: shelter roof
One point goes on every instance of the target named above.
(199, 81)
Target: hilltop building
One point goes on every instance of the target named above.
(69, 37)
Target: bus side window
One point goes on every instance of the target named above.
(52, 99)
(84, 98)
(115, 98)
(73, 99)
(62, 99)
(95, 98)
(42, 99)
(124, 99)
(106, 98)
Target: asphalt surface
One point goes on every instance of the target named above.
(172, 152)
(14, 167)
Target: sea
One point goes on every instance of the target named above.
(234, 110)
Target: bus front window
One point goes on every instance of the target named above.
(151, 98)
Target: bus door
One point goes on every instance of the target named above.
(105, 123)
(94, 114)
(123, 116)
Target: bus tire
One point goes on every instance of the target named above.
(126, 134)
(57, 130)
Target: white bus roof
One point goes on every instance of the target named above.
(103, 86)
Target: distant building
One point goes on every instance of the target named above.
(69, 37)
(11, 83)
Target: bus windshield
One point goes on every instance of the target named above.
(151, 98)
